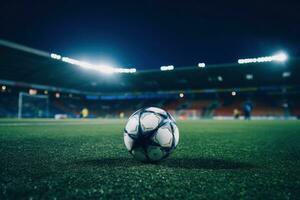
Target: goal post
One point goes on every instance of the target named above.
(33, 106)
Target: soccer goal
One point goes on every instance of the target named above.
(33, 106)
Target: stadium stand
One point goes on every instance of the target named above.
(213, 91)
(187, 107)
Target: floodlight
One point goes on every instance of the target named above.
(280, 57)
(201, 65)
(286, 74)
(103, 68)
(55, 56)
(181, 95)
(32, 91)
(249, 76)
(132, 70)
(70, 60)
(233, 93)
(167, 68)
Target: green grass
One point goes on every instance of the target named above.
(87, 159)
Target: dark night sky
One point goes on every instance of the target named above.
(148, 34)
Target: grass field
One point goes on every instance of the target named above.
(87, 159)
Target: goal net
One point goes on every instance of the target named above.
(33, 106)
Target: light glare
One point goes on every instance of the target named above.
(280, 57)
(32, 92)
(201, 65)
(286, 74)
(55, 56)
(220, 78)
(100, 68)
(167, 68)
(249, 76)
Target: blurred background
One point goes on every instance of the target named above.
(198, 60)
(39, 84)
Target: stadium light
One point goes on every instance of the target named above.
(100, 68)
(249, 76)
(181, 95)
(55, 56)
(32, 91)
(167, 68)
(70, 60)
(220, 78)
(286, 74)
(3, 88)
(280, 57)
(233, 93)
(201, 65)
(132, 70)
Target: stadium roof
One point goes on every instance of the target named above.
(31, 66)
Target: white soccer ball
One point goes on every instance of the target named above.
(151, 134)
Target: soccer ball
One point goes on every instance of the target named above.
(151, 134)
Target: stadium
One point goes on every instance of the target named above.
(188, 92)
(62, 121)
